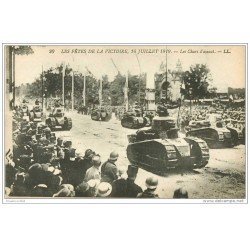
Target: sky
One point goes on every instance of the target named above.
(227, 69)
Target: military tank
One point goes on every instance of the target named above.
(135, 119)
(57, 120)
(214, 131)
(161, 148)
(25, 111)
(36, 114)
(101, 114)
(131, 120)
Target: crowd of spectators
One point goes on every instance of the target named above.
(232, 116)
(43, 165)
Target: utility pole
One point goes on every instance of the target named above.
(100, 93)
(115, 66)
(84, 90)
(14, 76)
(139, 99)
(126, 93)
(42, 89)
(72, 92)
(166, 73)
(63, 74)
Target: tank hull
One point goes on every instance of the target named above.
(101, 116)
(215, 138)
(160, 155)
(55, 123)
(133, 122)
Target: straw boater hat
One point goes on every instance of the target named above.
(104, 189)
(93, 183)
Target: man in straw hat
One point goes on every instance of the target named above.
(104, 190)
(126, 187)
(109, 170)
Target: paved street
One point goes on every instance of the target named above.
(223, 177)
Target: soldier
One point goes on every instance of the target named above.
(37, 102)
(180, 193)
(151, 184)
(109, 170)
(126, 187)
(163, 107)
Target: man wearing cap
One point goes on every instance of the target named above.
(109, 170)
(126, 188)
(94, 171)
(151, 184)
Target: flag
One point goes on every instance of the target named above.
(88, 71)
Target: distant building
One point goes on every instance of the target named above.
(237, 93)
(170, 87)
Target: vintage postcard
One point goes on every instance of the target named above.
(145, 123)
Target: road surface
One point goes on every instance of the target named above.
(222, 178)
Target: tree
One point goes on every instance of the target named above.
(196, 82)
(117, 90)
(23, 50)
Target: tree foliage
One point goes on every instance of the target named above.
(112, 91)
(196, 82)
(23, 50)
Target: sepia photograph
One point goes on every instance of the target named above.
(84, 122)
